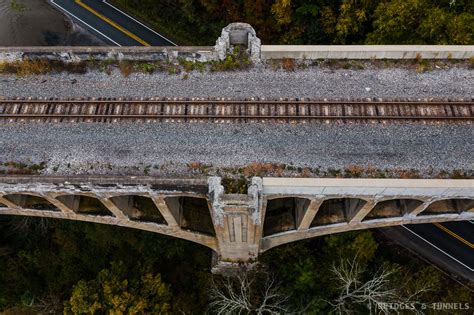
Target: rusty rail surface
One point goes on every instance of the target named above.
(282, 110)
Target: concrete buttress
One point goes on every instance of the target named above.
(237, 221)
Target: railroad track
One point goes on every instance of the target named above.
(289, 110)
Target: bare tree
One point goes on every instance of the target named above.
(375, 293)
(49, 304)
(26, 224)
(241, 294)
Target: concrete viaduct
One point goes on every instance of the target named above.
(237, 227)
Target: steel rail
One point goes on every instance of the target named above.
(181, 116)
(238, 102)
(216, 109)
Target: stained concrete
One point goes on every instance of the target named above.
(237, 221)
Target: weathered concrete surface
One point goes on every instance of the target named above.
(104, 189)
(238, 219)
(238, 34)
(372, 192)
(312, 52)
(256, 51)
(362, 186)
(72, 54)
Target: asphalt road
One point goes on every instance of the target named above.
(111, 24)
(449, 245)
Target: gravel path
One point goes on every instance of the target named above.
(258, 82)
(168, 147)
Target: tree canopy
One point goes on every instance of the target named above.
(55, 266)
(313, 21)
(114, 291)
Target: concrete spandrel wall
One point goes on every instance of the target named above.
(401, 201)
(60, 197)
(235, 226)
(311, 52)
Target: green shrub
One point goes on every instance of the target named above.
(237, 60)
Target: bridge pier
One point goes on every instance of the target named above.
(238, 224)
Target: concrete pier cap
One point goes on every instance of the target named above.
(238, 34)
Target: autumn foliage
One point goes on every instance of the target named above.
(313, 21)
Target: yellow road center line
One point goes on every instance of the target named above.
(120, 28)
(445, 229)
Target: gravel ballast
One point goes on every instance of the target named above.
(256, 82)
(168, 148)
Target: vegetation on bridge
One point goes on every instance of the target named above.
(313, 21)
(53, 266)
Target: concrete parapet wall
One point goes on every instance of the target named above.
(428, 188)
(241, 34)
(309, 52)
(258, 53)
(72, 54)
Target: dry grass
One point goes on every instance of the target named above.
(41, 66)
(350, 171)
(422, 65)
(307, 172)
(354, 171)
(26, 67)
(459, 174)
(407, 174)
(288, 64)
(198, 167)
(418, 57)
(21, 168)
(125, 67)
(262, 169)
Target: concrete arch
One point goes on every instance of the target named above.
(389, 208)
(85, 204)
(91, 199)
(272, 197)
(233, 224)
(204, 240)
(452, 205)
(337, 210)
(192, 213)
(32, 201)
(140, 208)
(284, 214)
(298, 235)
